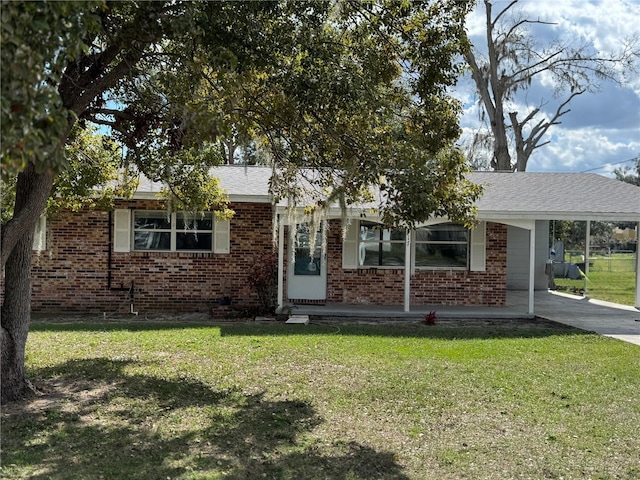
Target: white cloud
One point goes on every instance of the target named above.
(583, 149)
(601, 128)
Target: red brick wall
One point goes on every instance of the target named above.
(453, 287)
(72, 274)
(456, 287)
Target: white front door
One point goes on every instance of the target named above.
(307, 277)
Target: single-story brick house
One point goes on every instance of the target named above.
(108, 261)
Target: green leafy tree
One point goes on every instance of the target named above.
(574, 233)
(94, 175)
(93, 178)
(629, 174)
(351, 94)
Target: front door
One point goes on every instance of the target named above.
(307, 277)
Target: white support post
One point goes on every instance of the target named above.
(280, 263)
(638, 266)
(586, 256)
(532, 267)
(407, 272)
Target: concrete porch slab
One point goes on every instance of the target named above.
(613, 320)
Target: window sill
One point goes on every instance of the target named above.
(381, 267)
(442, 269)
(169, 253)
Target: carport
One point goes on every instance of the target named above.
(529, 201)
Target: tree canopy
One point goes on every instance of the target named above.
(629, 174)
(355, 92)
(340, 85)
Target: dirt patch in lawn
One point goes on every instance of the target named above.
(60, 394)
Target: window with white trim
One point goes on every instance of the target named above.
(443, 245)
(307, 263)
(156, 231)
(380, 247)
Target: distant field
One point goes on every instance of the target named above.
(611, 279)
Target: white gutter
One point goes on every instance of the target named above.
(232, 198)
(504, 216)
(499, 216)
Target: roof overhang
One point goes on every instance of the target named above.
(572, 216)
(506, 197)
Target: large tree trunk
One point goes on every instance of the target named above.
(491, 96)
(16, 310)
(16, 313)
(501, 156)
(32, 192)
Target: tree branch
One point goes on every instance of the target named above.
(488, 6)
(523, 22)
(94, 74)
(26, 213)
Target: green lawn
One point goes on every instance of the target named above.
(159, 401)
(612, 279)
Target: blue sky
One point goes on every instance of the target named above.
(602, 128)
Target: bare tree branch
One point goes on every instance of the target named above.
(514, 61)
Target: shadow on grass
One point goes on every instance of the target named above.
(98, 421)
(454, 329)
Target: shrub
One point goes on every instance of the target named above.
(430, 318)
(263, 278)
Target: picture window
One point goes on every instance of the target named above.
(157, 231)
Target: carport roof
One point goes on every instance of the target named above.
(556, 196)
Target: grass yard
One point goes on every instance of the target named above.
(451, 401)
(611, 279)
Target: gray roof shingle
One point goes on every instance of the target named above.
(522, 195)
(557, 196)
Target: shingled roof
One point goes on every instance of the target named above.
(242, 183)
(556, 196)
(518, 195)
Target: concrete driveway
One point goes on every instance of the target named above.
(609, 319)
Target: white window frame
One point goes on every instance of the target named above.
(476, 253)
(173, 232)
(417, 242)
(124, 233)
(385, 244)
